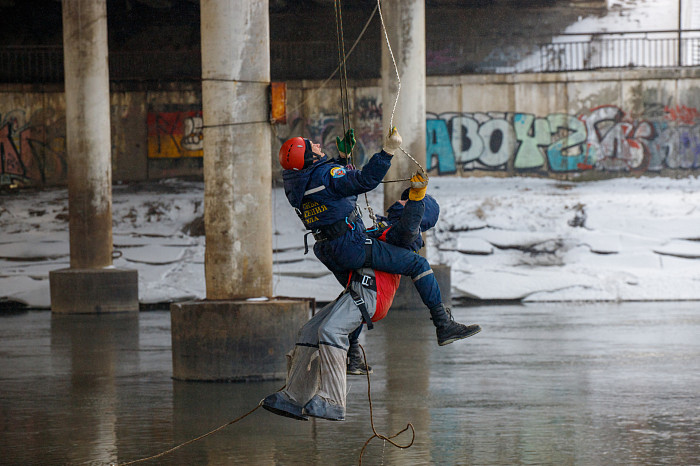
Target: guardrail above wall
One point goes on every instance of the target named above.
(592, 51)
(317, 60)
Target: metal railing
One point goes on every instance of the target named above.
(316, 60)
(288, 60)
(593, 51)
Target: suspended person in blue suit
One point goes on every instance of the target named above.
(323, 192)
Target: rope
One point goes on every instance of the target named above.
(194, 439)
(398, 92)
(371, 420)
(396, 68)
(341, 61)
(223, 426)
(344, 95)
(323, 84)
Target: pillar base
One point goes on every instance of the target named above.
(94, 291)
(234, 341)
(408, 299)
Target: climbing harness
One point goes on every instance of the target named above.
(368, 282)
(223, 426)
(332, 231)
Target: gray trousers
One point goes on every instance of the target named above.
(317, 364)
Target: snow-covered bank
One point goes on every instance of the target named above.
(505, 238)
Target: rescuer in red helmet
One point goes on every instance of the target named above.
(324, 195)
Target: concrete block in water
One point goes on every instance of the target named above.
(94, 291)
(231, 341)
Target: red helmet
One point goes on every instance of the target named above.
(295, 154)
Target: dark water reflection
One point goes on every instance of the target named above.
(542, 384)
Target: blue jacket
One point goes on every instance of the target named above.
(325, 193)
(402, 221)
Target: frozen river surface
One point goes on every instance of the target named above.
(586, 384)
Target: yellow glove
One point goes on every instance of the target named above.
(392, 141)
(419, 185)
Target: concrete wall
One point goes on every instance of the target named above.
(155, 134)
(582, 125)
(565, 125)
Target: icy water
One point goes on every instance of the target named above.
(570, 384)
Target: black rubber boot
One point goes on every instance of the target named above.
(447, 329)
(356, 363)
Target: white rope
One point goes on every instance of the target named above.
(396, 68)
(347, 55)
(398, 91)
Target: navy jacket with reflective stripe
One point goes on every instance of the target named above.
(326, 192)
(324, 195)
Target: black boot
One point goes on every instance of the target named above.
(447, 329)
(356, 363)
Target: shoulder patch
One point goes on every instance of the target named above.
(337, 172)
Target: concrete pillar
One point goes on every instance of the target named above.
(237, 162)
(88, 286)
(405, 25)
(88, 133)
(226, 337)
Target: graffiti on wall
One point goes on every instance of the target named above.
(324, 127)
(32, 148)
(603, 138)
(175, 134)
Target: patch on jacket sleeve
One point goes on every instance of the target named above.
(337, 172)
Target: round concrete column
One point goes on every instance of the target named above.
(90, 285)
(226, 337)
(237, 167)
(405, 24)
(88, 133)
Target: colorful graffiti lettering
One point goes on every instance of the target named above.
(366, 118)
(603, 139)
(32, 149)
(175, 134)
(682, 114)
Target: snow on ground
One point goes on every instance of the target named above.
(524, 239)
